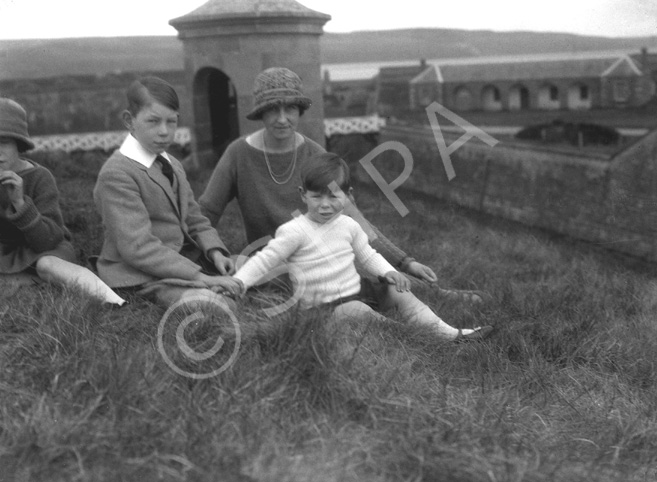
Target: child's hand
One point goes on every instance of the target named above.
(13, 186)
(223, 264)
(4, 199)
(401, 282)
(228, 284)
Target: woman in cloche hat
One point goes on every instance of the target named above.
(262, 170)
(34, 243)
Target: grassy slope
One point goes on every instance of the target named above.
(566, 390)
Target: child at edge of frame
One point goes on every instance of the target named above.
(321, 247)
(35, 245)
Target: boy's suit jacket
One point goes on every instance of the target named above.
(146, 224)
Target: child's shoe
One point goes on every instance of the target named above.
(477, 334)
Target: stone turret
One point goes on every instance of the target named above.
(226, 43)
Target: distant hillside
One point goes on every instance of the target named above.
(26, 59)
(444, 43)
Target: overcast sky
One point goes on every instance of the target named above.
(83, 18)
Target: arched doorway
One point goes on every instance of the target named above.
(519, 98)
(491, 100)
(579, 96)
(215, 113)
(463, 99)
(549, 97)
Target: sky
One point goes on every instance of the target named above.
(23, 19)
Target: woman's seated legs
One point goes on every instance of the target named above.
(355, 310)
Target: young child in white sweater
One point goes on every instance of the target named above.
(321, 249)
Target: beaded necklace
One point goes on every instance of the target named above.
(289, 171)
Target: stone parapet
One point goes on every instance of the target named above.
(608, 201)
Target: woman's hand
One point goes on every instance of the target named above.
(421, 271)
(223, 264)
(401, 282)
(13, 186)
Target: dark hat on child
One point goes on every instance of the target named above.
(276, 86)
(13, 123)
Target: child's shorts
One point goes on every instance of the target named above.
(372, 292)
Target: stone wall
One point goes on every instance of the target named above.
(84, 103)
(608, 201)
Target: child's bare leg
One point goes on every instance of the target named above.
(412, 309)
(57, 270)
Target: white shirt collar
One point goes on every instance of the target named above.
(132, 149)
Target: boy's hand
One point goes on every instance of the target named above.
(401, 282)
(223, 264)
(12, 184)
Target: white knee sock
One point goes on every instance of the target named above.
(421, 313)
(51, 268)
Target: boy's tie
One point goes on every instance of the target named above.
(167, 170)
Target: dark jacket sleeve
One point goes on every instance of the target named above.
(40, 218)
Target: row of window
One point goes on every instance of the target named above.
(620, 89)
(578, 96)
(553, 93)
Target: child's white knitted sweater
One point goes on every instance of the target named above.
(319, 257)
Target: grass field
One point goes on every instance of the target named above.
(564, 390)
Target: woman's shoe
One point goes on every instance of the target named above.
(469, 296)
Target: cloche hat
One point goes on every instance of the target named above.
(13, 123)
(275, 86)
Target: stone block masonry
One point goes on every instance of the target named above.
(83, 103)
(611, 202)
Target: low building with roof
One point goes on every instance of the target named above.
(544, 82)
(573, 82)
(392, 87)
(579, 83)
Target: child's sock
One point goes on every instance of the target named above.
(421, 313)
